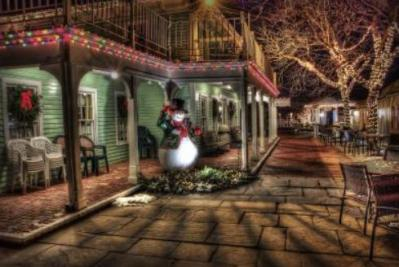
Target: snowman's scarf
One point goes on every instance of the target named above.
(180, 126)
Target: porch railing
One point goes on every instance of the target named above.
(206, 36)
(126, 21)
(202, 36)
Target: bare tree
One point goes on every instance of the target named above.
(327, 38)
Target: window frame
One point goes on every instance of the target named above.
(117, 141)
(25, 82)
(92, 91)
(206, 108)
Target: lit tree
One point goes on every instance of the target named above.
(327, 38)
(383, 53)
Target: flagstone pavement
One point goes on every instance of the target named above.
(286, 218)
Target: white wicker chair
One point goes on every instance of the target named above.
(53, 156)
(25, 163)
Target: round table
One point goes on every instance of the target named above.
(380, 166)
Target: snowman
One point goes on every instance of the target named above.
(178, 148)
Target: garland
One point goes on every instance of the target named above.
(24, 105)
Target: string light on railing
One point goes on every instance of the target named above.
(99, 44)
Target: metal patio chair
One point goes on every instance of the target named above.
(53, 156)
(392, 150)
(94, 153)
(146, 142)
(60, 140)
(355, 182)
(385, 191)
(25, 163)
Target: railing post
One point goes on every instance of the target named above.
(244, 34)
(67, 12)
(169, 37)
(132, 33)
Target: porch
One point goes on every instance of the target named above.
(215, 106)
(40, 206)
(106, 83)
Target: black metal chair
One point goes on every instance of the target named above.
(60, 140)
(94, 153)
(146, 142)
(380, 191)
(356, 181)
(392, 150)
(385, 190)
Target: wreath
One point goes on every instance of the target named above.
(23, 104)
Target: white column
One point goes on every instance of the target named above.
(254, 124)
(272, 120)
(262, 147)
(244, 123)
(132, 133)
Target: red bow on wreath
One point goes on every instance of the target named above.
(26, 100)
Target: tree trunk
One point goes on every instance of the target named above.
(347, 109)
(372, 109)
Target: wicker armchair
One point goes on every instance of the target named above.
(385, 190)
(356, 187)
(53, 156)
(26, 163)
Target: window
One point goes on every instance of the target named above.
(87, 112)
(203, 112)
(225, 114)
(394, 117)
(232, 114)
(15, 127)
(121, 109)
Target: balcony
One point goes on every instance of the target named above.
(202, 35)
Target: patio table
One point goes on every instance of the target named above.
(380, 166)
(374, 141)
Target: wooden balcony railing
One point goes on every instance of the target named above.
(204, 35)
(126, 21)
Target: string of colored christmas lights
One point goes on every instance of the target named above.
(96, 43)
(100, 44)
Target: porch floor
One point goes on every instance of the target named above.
(289, 217)
(24, 213)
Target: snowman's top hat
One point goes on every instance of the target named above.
(178, 103)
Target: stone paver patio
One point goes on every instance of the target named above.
(286, 218)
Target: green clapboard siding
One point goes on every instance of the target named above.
(150, 100)
(51, 96)
(52, 114)
(105, 117)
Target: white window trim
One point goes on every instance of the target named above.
(198, 112)
(116, 94)
(4, 82)
(91, 90)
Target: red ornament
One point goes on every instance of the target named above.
(26, 100)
